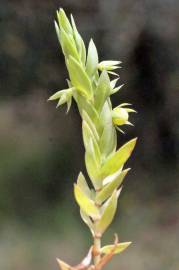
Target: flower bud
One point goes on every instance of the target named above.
(120, 116)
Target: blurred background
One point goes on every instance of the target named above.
(41, 149)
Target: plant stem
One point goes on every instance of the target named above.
(97, 246)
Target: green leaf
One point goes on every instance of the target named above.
(79, 42)
(79, 78)
(87, 221)
(82, 51)
(57, 31)
(119, 248)
(81, 182)
(58, 94)
(102, 90)
(108, 189)
(63, 21)
(86, 204)
(88, 107)
(92, 59)
(115, 90)
(108, 138)
(117, 159)
(62, 100)
(108, 213)
(113, 83)
(93, 170)
(90, 142)
(69, 102)
(68, 45)
(91, 125)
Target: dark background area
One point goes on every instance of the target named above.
(41, 150)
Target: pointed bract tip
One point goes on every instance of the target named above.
(63, 265)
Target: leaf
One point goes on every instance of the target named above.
(62, 100)
(92, 59)
(58, 94)
(113, 83)
(118, 159)
(84, 264)
(79, 41)
(57, 31)
(107, 257)
(86, 204)
(91, 125)
(87, 220)
(124, 104)
(79, 78)
(90, 142)
(69, 102)
(63, 265)
(130, 110)
(63, 21)
(111, 177)
(107, 190)
(120, 247)
(85, 105)
(102, 90)
(108, 214)
(93, 170)
(82, 51)
(113, 73)
(81, 182)
(115, 90)
(108, 138)
(68, 45)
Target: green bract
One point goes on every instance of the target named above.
(90, 85)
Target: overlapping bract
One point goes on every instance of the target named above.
(90, 86)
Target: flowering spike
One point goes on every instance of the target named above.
(90, 86)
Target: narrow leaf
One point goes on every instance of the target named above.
(108, 138)
(58, 94)
(63, 21)
(79, 78)
(87, 221)
(115, 90)
(93, 170)
(57, 31)
(118, 159)
(68, 45)
(63, 265)
(108, 214)
(107, 190)
(90, 142)
(120, 247)
(79, 42)
(92, 59)
(113, 83)
(86, 204)
(88, 120)
(102, 91)
(81, 182)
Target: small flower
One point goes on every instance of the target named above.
(120, 116)
(109, 66)
(63, 96)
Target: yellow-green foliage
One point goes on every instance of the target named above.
(90, 86)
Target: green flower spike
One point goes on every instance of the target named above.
(90, 86)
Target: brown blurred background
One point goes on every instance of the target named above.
(41, 149)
